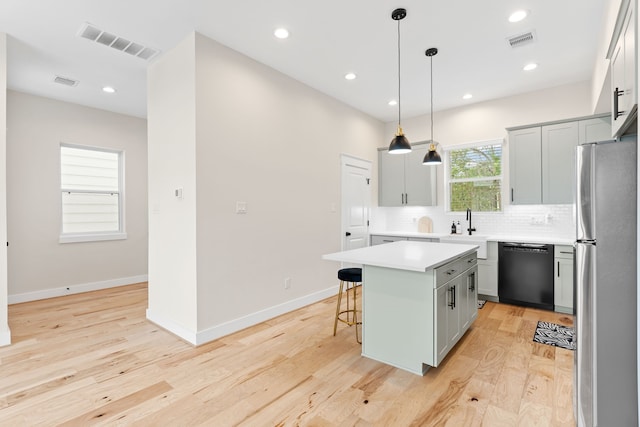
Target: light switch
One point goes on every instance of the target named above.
(241, 207)
(178, 193)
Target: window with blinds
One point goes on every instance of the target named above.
(91, 186)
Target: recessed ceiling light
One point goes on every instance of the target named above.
(518, 15)
(531, 66)
(350, 76)
(467, 96)
(281, 33)
(108, 89)
(393, 102)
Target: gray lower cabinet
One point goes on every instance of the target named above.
(379, 240)
(488, 273)
(563, 279)
(404, 181)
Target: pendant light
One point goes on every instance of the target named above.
(399, 144)
(432, 157)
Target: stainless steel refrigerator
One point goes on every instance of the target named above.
(605, 366)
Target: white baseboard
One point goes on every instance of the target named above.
(226, 328)
(5, 337)
(174, 328)
(75, 289)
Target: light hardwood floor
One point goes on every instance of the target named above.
(93, 359)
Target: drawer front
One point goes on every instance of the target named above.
(379, 240)
(422, 239)
(455, 268)
(563, 251)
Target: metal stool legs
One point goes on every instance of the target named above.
(350, 314)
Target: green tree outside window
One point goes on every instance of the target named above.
(475, 178)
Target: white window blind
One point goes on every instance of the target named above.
(91, 185)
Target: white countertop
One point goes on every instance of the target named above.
(404, 255)
(490, 238)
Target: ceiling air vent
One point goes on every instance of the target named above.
(522, 39)
(65, 81)
(91, 32)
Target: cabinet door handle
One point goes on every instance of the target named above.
(558, 268)
(616, 94)
(453, 293)
(512, 194)
(472, 282)
(451, 302)
(406, 198)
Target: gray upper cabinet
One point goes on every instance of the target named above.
(558, 165)
(390, 179)
(525, 173)
(404, 180)
(623, 71)
(542, 158)
(594, 130)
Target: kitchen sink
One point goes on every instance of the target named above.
(465, 239)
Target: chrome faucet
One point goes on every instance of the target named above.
(470, 229)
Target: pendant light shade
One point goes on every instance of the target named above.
(432, 157)
(399, 144)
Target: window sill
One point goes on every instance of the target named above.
(97, 237)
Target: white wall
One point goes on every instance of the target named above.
(487, 121)
(5, 334)
(171, 103)
(274, 143)
(40, 266)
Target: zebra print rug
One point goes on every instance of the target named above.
(556, 335)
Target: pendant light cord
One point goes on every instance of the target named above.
(399, 93)
(431, 99)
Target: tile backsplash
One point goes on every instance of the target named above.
(517, 220)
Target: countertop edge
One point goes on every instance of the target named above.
(569, 241)
(360, 256)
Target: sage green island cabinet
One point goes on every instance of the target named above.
(418, 300)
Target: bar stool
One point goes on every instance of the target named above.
(353, 279)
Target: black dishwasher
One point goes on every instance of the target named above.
(525, 274)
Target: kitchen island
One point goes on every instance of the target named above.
(418, 299)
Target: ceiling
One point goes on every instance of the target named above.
(328, 39)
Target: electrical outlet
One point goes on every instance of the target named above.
(287, 282)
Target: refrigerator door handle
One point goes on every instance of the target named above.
(584, 192)
(585, 357)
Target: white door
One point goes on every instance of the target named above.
(356, 202)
